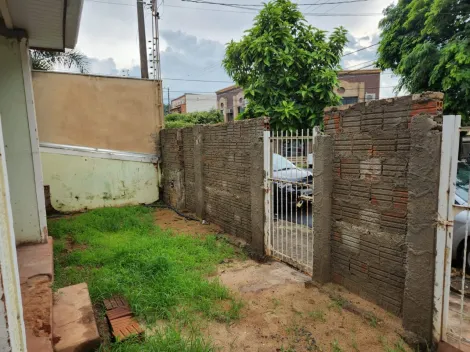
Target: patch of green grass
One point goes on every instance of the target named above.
(317, 315)
(399, 345)
(169, 340)
(335, 347)
(119, 251)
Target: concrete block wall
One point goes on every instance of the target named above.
(218, 169)
(372, 175)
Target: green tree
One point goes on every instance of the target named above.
(427, 43)
(46, 60)
(287, 68)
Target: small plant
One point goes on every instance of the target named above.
(276, 302)
(373, 321)
(335, 347)
(337, 303)
(354, 343)
(317, 315)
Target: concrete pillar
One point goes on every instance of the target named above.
(198, 131)
(323, 186)
(423, 188)
(21, 142)
(257, 191)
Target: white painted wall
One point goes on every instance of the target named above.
(79, 181)
(200, 102)
(21, 142)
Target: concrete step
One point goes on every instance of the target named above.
(36, 269)
(74, 322)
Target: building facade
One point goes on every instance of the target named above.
(193, 103)
(354, 86)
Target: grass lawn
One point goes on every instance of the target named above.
(163, 275)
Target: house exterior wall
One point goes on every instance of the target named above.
(178, 105)
(200, 102)
(81, 181)
(351, 84)
(370, 78)
(101, 112)
(230, 98)
(21, 144)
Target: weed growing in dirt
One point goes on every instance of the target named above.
(317, 315)
(335, 347)
(399, 345)
(119, 251)
(372, 321)
(276, 302)
(337, 303)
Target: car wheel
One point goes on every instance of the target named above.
(460, 256)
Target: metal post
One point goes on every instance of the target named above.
(448, 171)
(267, 191)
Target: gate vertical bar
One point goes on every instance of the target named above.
(267, 190)
(290, 205)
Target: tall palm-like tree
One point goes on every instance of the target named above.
(46, 60)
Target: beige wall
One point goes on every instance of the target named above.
(95, 111)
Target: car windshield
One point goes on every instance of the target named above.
(280, 163)
(463, 179)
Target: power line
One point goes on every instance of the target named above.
(255, 10)
(367, 47)
(362, 63)
(195, 80)
(246, 8)
(262, 5)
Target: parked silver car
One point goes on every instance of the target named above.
(460, 220)
(288, 188)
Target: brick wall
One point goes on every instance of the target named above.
(370, 199)
(221, 172)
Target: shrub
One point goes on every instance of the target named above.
(193, 118)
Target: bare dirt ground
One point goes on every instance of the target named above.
(281, 314)
(168, 219)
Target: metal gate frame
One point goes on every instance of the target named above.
(447, 210)
(269, 180)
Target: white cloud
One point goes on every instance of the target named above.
(193, 38)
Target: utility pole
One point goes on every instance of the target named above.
(142, 43)
(169, 102)
(156, 41)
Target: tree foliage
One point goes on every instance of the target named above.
(287, 68)
(46, 60)
(176, 120)
(427, 43)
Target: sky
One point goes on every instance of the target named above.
(193, 38)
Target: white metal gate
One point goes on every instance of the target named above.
(452, 292)
(288, 165)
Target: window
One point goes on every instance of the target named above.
(349, 100)
(240, 109)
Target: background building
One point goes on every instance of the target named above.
(354, 86)
(193, 102)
